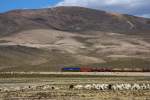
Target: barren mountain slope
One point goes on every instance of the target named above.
(49, 50)
(73, 19)
(49, 39)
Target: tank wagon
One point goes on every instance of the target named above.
(91, 69)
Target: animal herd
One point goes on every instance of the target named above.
(123, 86)
(102, 87)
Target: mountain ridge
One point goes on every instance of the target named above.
(72, 19)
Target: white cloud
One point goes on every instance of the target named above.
(135, 7)
(146, 15)
(92, 3)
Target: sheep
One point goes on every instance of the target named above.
(105, 86)
(71, 86)
(56, 88)
(148, 86)
(45, 87)
(101, 86)
(79, 87)
(127, 86)
(119, 86)
(115, 87)
(135, 87)
(97, 86)
(5, 89)
(143, 87)
(110, 86)
(88, 87)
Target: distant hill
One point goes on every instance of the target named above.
(49, 39)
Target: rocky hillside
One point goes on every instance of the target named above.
(49, 39)
(72, 19)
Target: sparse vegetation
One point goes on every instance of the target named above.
(64, 93)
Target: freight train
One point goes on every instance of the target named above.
(90, 69)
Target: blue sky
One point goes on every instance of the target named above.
(133, 7)
(6, 5)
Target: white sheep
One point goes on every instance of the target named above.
(127, 86)
(117, 87)
(100, 86)
(135, 87)
(148, 86)
(5, 89)
(114, 87)
(79, 87)
(105, 86)
(143, 86)
(45, 87)
(88, 87)
(57, 88)
(97, 86)
(120, 86)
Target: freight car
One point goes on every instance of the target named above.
(71, 69)
(85, 69)
(101, 70)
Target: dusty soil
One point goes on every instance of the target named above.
(64, 93)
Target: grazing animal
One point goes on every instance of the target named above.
(143, 86)
(88, 87)
(46, 87)
(56, 88)
(71, 86)
(135, 87)
(115, 87)
(97, 86)
(110, 86)
(79, 87)
(5, 89)
(148, 86)
(127, 86)
(53, 88)
(105, 86)
(119, 87)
